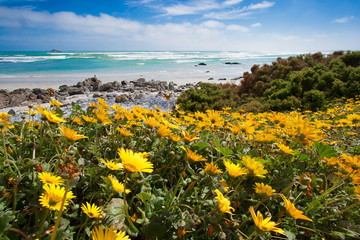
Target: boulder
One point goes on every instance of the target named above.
(75, 91)
(122, 98)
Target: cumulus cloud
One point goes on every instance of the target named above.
(192, 8)
(343, 19)
(255, 25)
(232, 2)
(264, 4)
(234, 27)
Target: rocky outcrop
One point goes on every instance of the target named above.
(123, 91)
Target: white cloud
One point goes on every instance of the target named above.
(234, 27)
(194, 8)
(232, 2)
(343, 19)
(213, 24)
(225, 15)
(264, 4)
(255, 25)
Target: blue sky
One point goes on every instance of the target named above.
(239, 25)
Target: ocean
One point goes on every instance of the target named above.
(52, 69)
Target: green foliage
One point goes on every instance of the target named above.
(304, 81)
(207, 96)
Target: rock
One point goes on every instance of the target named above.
(231, 63)
(171, 86)
(97, 95)
(12, 112)
(210, 79)
(201, 64)
(122, 98)
(75, 91)
(123, 83)
(107, 87)
(222, 79)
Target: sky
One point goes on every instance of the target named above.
(188, 25)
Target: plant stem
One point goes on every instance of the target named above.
(61, 210)
(346, 209)
(82, 226)
(125, 206)
(42, 223)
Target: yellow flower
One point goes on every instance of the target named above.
(188, 137)
(112, 165)
(223, 203)
(297, 214)
(103, 103)
(254, 167)
(70, 134)
(261, 188)
(92, 211)
(192, 155)
(51, 117)
(118, 186)
(109, 233)
(175, 138)
(53, 196)
(48, 178)
(4, 119)
(102, 116)
(56, 103)
(78, 121)
(164, 131)
(89, 119)
(357, 191)
(135, 162)
(234, 170)
(211, 167)
(264, 225)
(285, 148)
(124, 132)
(151, 122)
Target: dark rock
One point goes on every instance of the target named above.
(63, 88)
(107, 87)
(210, 79)
(12, 112)
(123, 83)
(75, 91)
(97, 95)
(222, 79)
(38, 91)
(201, 64)
(231, 63)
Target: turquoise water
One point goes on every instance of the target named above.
(17, 68)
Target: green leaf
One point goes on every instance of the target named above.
(154, 230)
(144, 197)
(225, 151)
(325, 150)
(5, 219)
(200, 145)
(290, 235)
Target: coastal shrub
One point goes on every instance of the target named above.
(147, 174)
(208, 96)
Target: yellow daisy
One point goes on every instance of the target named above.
(135, 162)
(295, 213)
(164, 131)
(51, 117)
(234, 170)
(124, 132)
(211, 167)
(92, 211)
(264, 225)
(254, 167)
(192, 155)
(48, 178)
(89, 119)
(285, 148)
(56, 103)
(117, 186)
(112, 165)
(53, 196)
(189, 137)
(70, 134)
(223, 203)
(261, 188)
(109, 233)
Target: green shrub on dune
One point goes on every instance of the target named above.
(304, 81)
